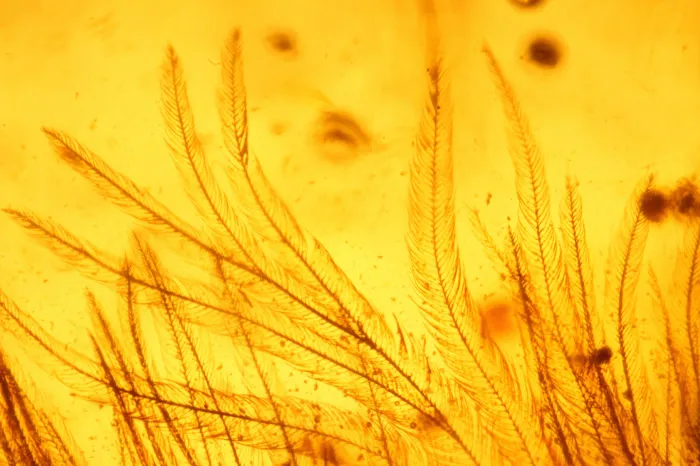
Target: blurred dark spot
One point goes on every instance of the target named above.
(579, 359)
(686, 203)
(498, 319)
(339, 137)
(654, 205)
(602, 355)
(527, 3)
(544, 52)
(686, 198)
(284, 42)
(277, 128)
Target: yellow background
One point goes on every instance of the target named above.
(625, 99)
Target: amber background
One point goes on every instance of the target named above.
(625, 99)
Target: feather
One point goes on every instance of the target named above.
(627, 253)
(439, 280)
(551, 292)
(122, 191)
(27, 435)
(673, 412)
(577, 258)
(684, 327)
(282, 305)
(535, 226)
(190, 160)
(554, 430)
(260, 202)
(170, 405)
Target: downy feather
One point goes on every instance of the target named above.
(439, 280)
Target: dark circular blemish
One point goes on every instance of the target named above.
(544, 52)
(654, 205)
(527, 3)
(602, 355)
(686, 198)
(283, 42)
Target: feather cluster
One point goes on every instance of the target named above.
(275, 295)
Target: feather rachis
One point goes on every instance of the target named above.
(437, 269)
(583, 292)
(262, 201)
(626, 260)
(535, 224)
(684, 337)
(578, 260)
(543, 253)
(673, 415)
(279, 299)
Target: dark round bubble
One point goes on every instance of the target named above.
(654, 205)
(283, 42)
(544, 52)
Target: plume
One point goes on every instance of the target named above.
(627, 252)
(280, 311)
(440, 282)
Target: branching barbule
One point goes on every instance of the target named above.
(277, 297)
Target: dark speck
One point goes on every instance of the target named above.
(686, 198)
(545, 52)
(654, 205)
(602, 355)
(283, 42)
(527, 3)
